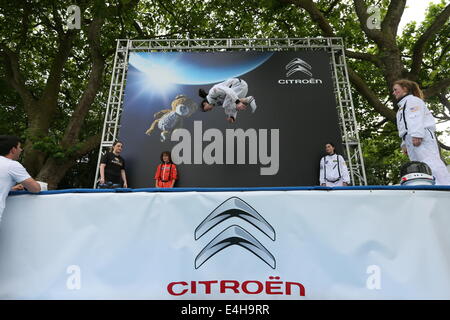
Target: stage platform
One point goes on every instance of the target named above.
(374, 242)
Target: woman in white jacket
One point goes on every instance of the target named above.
(333, 170)
(416, 127)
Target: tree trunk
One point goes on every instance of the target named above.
(38, 125)
(53, 171)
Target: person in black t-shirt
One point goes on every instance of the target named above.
(112, 167)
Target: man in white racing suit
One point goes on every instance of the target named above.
(333, 170)
(231, 95)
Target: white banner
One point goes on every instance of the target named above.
(343, 244)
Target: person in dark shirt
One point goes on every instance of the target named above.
(112, 167)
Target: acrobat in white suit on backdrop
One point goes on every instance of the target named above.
(231, 95)
(333, 170)
(416, 126)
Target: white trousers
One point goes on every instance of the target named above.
(241, 89)
(428, 152)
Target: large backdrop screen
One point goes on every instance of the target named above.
(279, 144)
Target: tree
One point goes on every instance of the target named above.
(395, 58)
(55, 80)
(376, 57)
(58, 74)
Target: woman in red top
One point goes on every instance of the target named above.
(166, 173)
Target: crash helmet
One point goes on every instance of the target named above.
(416, 173)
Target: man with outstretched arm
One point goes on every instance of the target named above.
(13, 176)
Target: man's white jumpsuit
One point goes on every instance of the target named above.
(333, 171)
(225, 94)
(415, 120)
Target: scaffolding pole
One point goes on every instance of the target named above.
(335, 46)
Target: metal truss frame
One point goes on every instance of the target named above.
(342, 89)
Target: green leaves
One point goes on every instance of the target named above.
(33, 30)
(382, 156)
